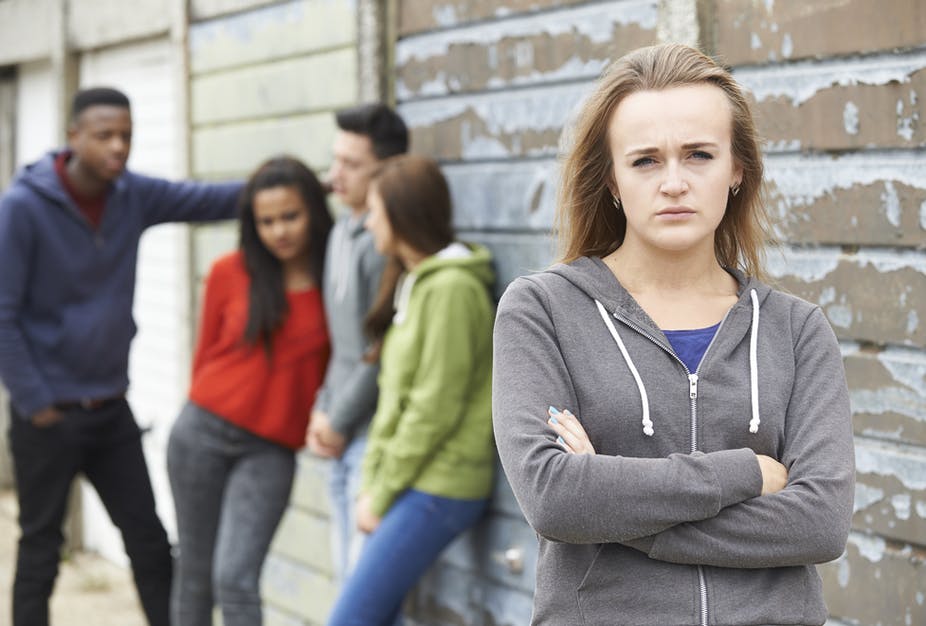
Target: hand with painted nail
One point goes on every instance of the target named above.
(570, 434)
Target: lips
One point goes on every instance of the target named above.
(676, 211)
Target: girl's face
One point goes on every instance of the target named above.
(673, 165)
(377, 222)
(282, 221)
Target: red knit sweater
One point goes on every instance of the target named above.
(272, 397)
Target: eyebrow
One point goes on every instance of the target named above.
(694, 145)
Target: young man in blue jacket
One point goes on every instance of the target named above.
(69, 231)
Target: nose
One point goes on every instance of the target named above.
(119, 145)
(674, 183)
(278, 228)
(334, 171)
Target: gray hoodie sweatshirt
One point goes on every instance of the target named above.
(352, 274)
(665, 525)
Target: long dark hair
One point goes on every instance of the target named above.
(417, 203)
(267, 305)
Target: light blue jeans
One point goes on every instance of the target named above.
(230, 489)
(409, 539)
(343, 489)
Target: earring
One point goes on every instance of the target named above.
(617, 203)
(735, 189)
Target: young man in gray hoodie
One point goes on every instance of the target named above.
(367, 135)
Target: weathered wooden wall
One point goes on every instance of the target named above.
(839, 89)
(266, 78)
(488, 88)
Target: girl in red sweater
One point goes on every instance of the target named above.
(261, 354)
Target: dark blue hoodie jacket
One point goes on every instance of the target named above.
(66, 290)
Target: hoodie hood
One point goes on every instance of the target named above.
(42, 178)
(468, 257)
(592, 276)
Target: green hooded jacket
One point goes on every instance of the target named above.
(432, 430)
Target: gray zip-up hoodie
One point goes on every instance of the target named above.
(665, 525)
(352, 274)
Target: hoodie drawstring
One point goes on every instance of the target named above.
(647, 423)
(754, 362)
(753, 365)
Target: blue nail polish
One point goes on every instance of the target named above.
(561, 441)
(553, 410)
(553, 420)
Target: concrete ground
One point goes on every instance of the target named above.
(90, 591)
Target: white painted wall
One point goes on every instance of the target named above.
(36, 119)
(159, 360)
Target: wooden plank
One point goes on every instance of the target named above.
(871, 296)
(98, 23)
(21, 40)
(887, 390)
(876, 582)
(862, 199)
(310, 491)
(234, 150)
(278, 88)
(496, 126)
(273, 32)
(205, 9)
(890, 495)
(514, 254)
(450, 596)
(419, 15)
(872, 102)
(570, 43)
(305, 538)
(297, 590)
(748, 32)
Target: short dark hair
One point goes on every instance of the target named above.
(93, 96)
(385, 128)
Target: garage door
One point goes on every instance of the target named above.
(159, 361)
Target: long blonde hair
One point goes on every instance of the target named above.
(587, 221)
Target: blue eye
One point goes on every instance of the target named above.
(700, 154)
(643, 161)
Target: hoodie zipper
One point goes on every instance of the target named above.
(693, 398)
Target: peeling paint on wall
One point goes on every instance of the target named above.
(800, 81)
(872, 548)
(850, 118)
(866, 496)
(891, 460)
(801, 180)
(595, 22)
(807, 265)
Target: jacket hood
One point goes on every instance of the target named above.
(41, 177)
(473, 258)
(468, 257)
(592, 276)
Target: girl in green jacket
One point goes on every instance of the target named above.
(428, 468)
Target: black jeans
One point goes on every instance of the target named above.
(105, 445)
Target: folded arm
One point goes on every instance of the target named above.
(621, 498)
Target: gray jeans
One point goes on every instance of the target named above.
(230, 489)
